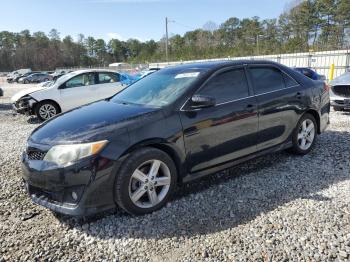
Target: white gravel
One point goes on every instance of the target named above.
(276, 208)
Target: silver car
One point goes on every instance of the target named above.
(340, 92)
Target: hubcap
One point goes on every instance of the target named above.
(149, 184)
(306, 134)
(47, 111)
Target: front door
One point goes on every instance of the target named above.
(77, 91)
(228, 130)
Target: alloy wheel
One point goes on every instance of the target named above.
(306, 134)
(47, 111)
(149, 183)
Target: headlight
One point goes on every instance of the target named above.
(64, 155)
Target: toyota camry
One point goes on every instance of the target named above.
(178, 124)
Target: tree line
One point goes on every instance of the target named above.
(315, 25)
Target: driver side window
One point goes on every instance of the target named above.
(81, 80)
(227, 86)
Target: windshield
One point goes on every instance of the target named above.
(160, 88)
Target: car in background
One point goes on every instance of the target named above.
(18, 77)
(148, 72)
(69, 91)
(13, 75)
(35, 78)
(340, 92)
(171, 127)
(310, 73)
(57, 74)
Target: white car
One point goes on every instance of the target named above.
(69, 91)
(340, 92)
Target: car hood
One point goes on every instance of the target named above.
(28, 91)
(97, 121)
(344, 79)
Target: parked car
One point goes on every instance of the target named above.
(340, 92)
(69, 91)
(18, 77)
(148, 72)
(310, 73)
(13, 75)
(171, 127)
(35, 78)
(57, 74)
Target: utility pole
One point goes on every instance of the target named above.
(166, 39)
(257, 44)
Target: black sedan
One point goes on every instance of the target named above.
(175, 125)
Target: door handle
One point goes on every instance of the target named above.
(298, 95)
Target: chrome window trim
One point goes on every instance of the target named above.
(231, 101)
(251, 96)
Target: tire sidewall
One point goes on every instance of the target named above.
(39, 105)
(123, 176)
(296, 147)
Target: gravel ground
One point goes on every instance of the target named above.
(276, 208)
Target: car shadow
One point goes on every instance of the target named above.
(33, 120)
(232, 197)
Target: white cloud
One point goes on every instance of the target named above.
(114, 36)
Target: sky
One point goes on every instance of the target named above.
(124, 19)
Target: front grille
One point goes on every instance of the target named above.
(342, 90)
(35, 155)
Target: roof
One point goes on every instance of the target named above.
(218, 64)
(93, 70)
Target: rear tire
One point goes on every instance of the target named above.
(304, 135)
(46, 110)
(145, 181)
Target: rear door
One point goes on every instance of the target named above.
(228, 130)
(108, 84)
(77, 91)
(280, 100)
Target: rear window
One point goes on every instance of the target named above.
(267, 79)
(108, 77)
(289, 81)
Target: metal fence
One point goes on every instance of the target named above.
(319, 61)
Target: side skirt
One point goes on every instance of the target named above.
(217, 168)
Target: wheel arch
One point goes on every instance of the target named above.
(51, 101)
(166, 147)
(316, 115)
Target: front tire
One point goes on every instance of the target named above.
(46, 110)
(304, 135)
(145, 181)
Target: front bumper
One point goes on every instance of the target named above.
(340, 102)
(22, 110)
(91, 180)
(24, 105)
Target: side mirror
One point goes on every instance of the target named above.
(199, 101)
